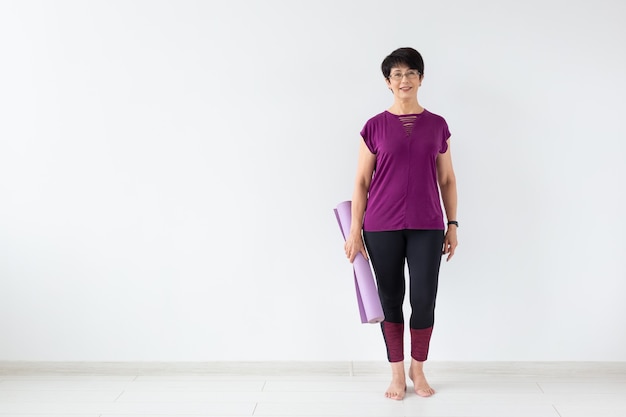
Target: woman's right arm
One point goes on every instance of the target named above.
(365, 170)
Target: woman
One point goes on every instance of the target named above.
(404, 163)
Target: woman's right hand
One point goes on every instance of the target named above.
(354, 244)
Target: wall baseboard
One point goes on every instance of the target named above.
(341, 368)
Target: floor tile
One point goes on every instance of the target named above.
(315, 389)
(591, 411)
(70, 408)
(37, 396)
(216, 386)
(423, 408)
(61, 384)
(583, 388)
(330, 385)
(53, 415)
(385, 407)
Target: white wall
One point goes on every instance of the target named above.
(168, 172)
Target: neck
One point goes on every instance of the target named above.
(411, 106)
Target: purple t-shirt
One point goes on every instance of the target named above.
(404, 193)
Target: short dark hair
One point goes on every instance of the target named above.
(403, 56)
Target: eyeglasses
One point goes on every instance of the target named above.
(410, 74)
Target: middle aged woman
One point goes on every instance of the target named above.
(404, 171)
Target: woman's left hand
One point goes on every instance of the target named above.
(450, 242)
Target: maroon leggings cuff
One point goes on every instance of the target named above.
(420, 341)
(394, 340)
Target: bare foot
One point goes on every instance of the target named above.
(397, 388)
(416, 373)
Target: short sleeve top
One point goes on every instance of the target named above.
(404, 192)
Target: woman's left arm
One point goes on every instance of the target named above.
(447, 184)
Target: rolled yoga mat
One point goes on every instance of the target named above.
(366, 292)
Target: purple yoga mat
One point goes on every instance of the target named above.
(366, 292)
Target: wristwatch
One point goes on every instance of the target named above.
(454, 222)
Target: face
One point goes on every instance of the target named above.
(404, 82)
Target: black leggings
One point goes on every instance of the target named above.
(422, 251)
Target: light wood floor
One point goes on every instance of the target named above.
(554, 389)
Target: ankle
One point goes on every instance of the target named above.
(417, 370)
(416, 365)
